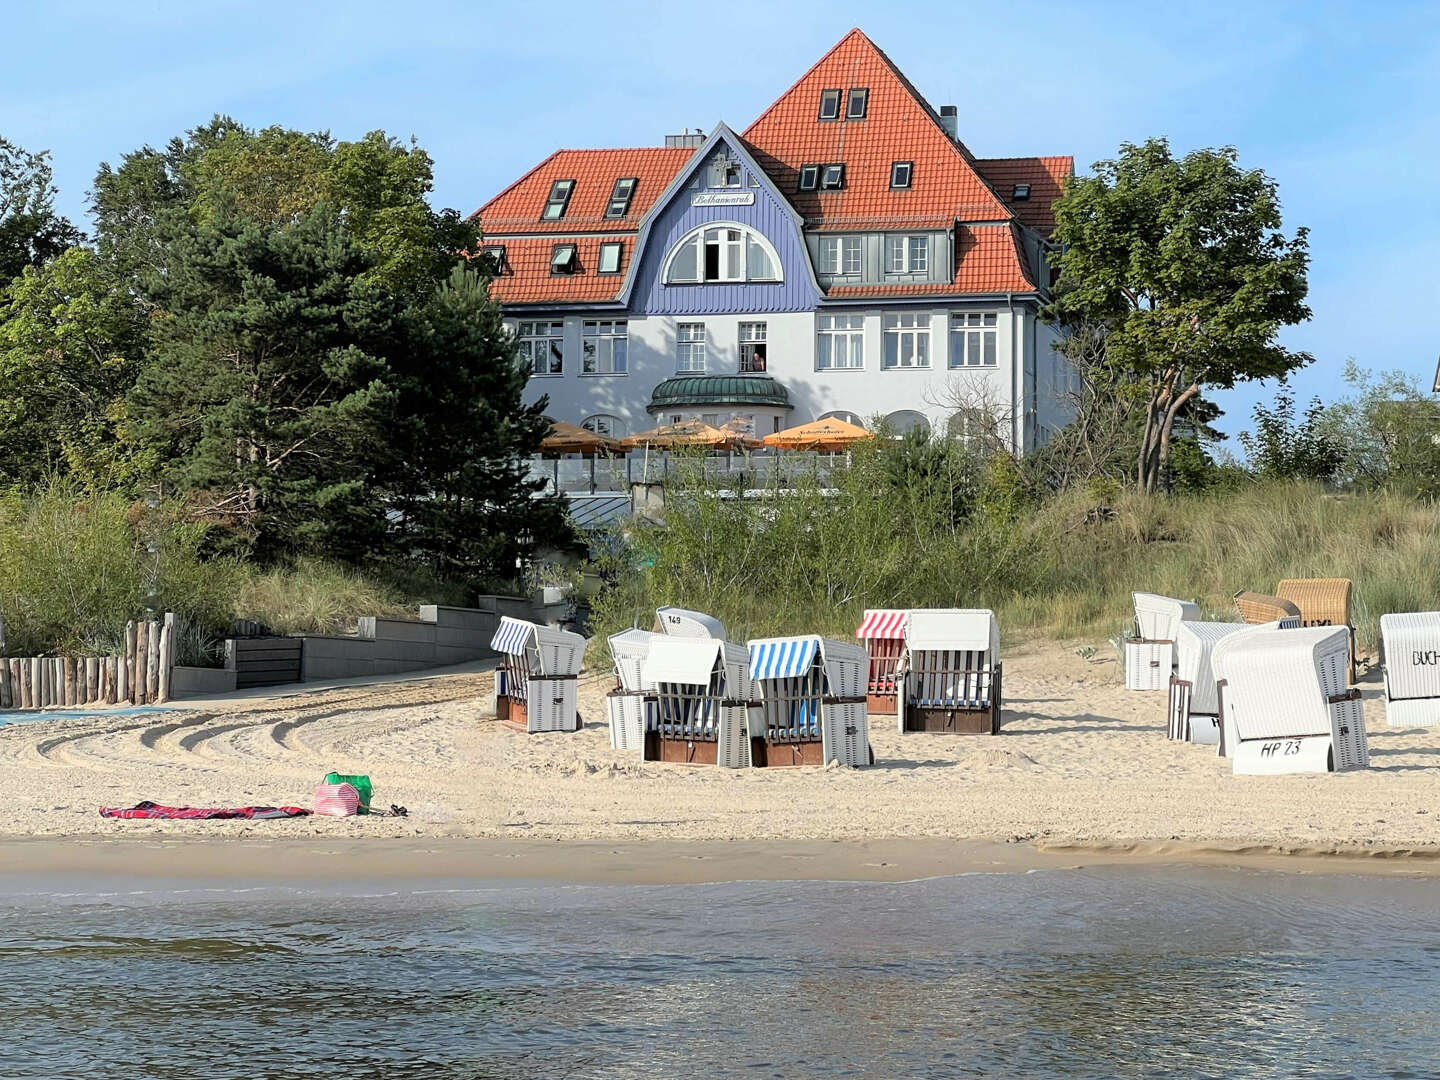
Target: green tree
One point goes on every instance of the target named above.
(1286, 447)
(31, 232)
(267, 385)
(1182, 265)
(70, 341)
(1388, 431)
(377, 184)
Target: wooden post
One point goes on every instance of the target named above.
(69, 682)
(142, 661)
(92, 679)
(4, 685)
(153, 672)
(167, 654)
(27, 693)
(47, 681)
(127, 665)
(110, 666)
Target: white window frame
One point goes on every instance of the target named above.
(610, 247)
(907, 254)
(547, 338)
(909, 332)
(699, 237)
(841, 335)
(752, 333)
(604, 347)
(842, 256)
(974, 339)
(558, 199)
(690, 348)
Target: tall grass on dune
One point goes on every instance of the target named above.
(962, 532)
(316, 596)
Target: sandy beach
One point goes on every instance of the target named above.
(1082, 765)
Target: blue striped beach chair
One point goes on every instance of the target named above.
(811, 702)
(536, 687)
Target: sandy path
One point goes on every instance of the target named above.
(1080, 760)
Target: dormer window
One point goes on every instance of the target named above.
(832, 178)
(564, 260)
(620, 195)
(559, 199)
(856, 103)
(829, 104)
(809, 177)
(492, 260)
(1022, 192)
(900, 172)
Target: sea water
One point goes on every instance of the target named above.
(1112, 972)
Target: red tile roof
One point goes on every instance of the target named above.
(517, 209)
(898, 126)
(1046, 177)
(528, 279)
(988, 259)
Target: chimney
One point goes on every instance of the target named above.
(689, 140)
(950, 120)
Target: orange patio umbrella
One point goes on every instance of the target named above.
(569, 439)
(741, 431)
(827, 434)
(685, 433)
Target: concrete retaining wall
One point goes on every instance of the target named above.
(190, 681)
(441, 636)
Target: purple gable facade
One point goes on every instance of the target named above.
(767, 214)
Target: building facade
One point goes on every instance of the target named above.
(845, 255)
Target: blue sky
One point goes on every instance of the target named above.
(1336, 101)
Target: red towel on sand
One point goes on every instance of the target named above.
(149, 809)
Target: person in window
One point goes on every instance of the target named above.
(757, 357)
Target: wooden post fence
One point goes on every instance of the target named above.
(142, 674)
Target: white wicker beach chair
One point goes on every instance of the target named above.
(1285, 701)
(811, 696)
(1194, 707)
(702, 702)
(1150, 654)
(951, 672)
(1410, 642)
(631, 705)
(541, 666)
(679, 622)
(882, 631)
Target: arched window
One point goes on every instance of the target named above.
(848, 417)
(907, 420)
(722, 251)
(603, 424)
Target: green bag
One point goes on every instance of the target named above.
(361, 784)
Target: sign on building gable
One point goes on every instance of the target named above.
(723, 198)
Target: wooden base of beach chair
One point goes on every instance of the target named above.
(774, 754)
(952, 721)
(512, 713)
(680, 751)
(880, 704)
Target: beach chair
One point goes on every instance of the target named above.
(1150, 653)
(536, 686)
(883, 634)
(811, 702)
(678, 622)
(1194, 706)
(1257, 608)
(1284, 702)
(1410, 644)
(702, 702)
(1322, 602)
(950, 673)
(630, 706)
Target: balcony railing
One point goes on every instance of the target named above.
(615, 475)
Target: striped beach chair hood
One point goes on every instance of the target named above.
(882, 624)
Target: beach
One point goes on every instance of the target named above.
(1081, 765)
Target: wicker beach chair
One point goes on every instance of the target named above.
(811, 695)
(537, 683)
(702, 702)
(1410, 643)
(1322, 602)
(1258, 608)
(882, 632)
(680, 622)
(1194, 705)
(630, 706)
(1150, 653)
(1284, 703)
(951, 673)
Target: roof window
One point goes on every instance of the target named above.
(609, 258)
(620, 195)
(900, 172)
(829, 104)
(809, 177)
(559, 199)
(564, 260)
(1022, 192)
(492, 259)
(856, 103)
(832, 178)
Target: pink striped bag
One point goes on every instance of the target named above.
(337, 800)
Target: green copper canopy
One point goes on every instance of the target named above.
(720, 390)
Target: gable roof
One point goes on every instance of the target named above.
(899, 125)
(517, 209)
(1046, 177)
